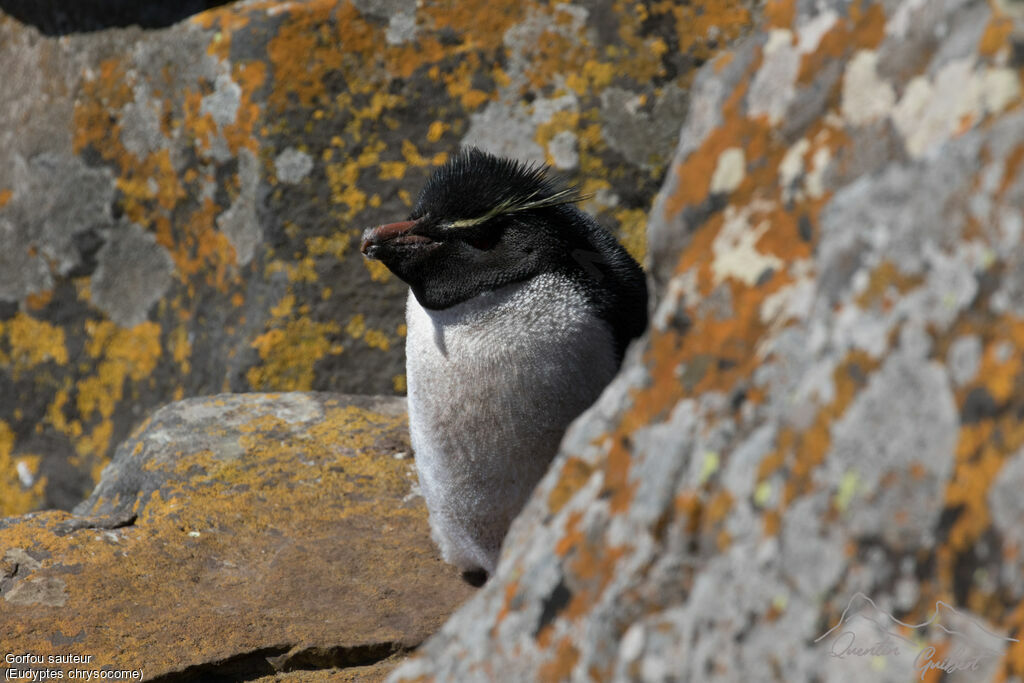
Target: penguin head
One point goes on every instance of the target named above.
(482, 222)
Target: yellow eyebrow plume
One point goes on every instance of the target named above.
(567, 196)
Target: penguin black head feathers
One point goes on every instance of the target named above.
(475, 187)
(482, 222)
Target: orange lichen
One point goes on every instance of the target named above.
(562, 662)
(555, 52)
(574, 473)
(181, 348)
(886, 281)
(343, 181)
(227, 21)
(779, 13)
(810, 446)
(572, 534)
(458, 82)
(356, 326)
(108, 91)
(694, 175)
(378, 271)
(697, 25)
(377, 339)
(39, 300)
(511, 591)
(591, 561)
(862, 29)
(241, 132)
(688, 508)
(981, 451)
(123, 354)
(151, 186)
(999, 373)
(436, 130)
(561, 121)
(55, 413)
(392, 170)
(289, 354)
(1014, 164)
(616, 479)
(633, 231)
(715, 511)
(303, 51)
(771, 522)
(479, 21)
(200, 248)
(996, 35)
(335, 245)
(595, 76)
(30, 342)
(868, 24)
(151, 180)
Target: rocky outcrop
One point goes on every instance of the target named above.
(178, 206)
(231, 537)
(820, 433)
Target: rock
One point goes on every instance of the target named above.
(821, 428)
(353, 674)
(180, 207)
(234, 536)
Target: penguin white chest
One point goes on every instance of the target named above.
(493, 382)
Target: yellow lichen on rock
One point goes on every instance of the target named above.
(30, 342)
(123, 355)
(23, 488)
(290, 353)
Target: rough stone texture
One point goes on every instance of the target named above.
(822, 428)
(374, 673)
(179, 206)
(233, 536)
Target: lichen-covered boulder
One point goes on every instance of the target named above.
(179, 206)
(810, 468)
(230, 537)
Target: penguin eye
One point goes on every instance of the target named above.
(485, 241)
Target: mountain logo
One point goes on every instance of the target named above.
(949, 640)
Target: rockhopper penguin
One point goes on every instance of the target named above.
(521, 307)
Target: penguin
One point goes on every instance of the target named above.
(520, 309)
